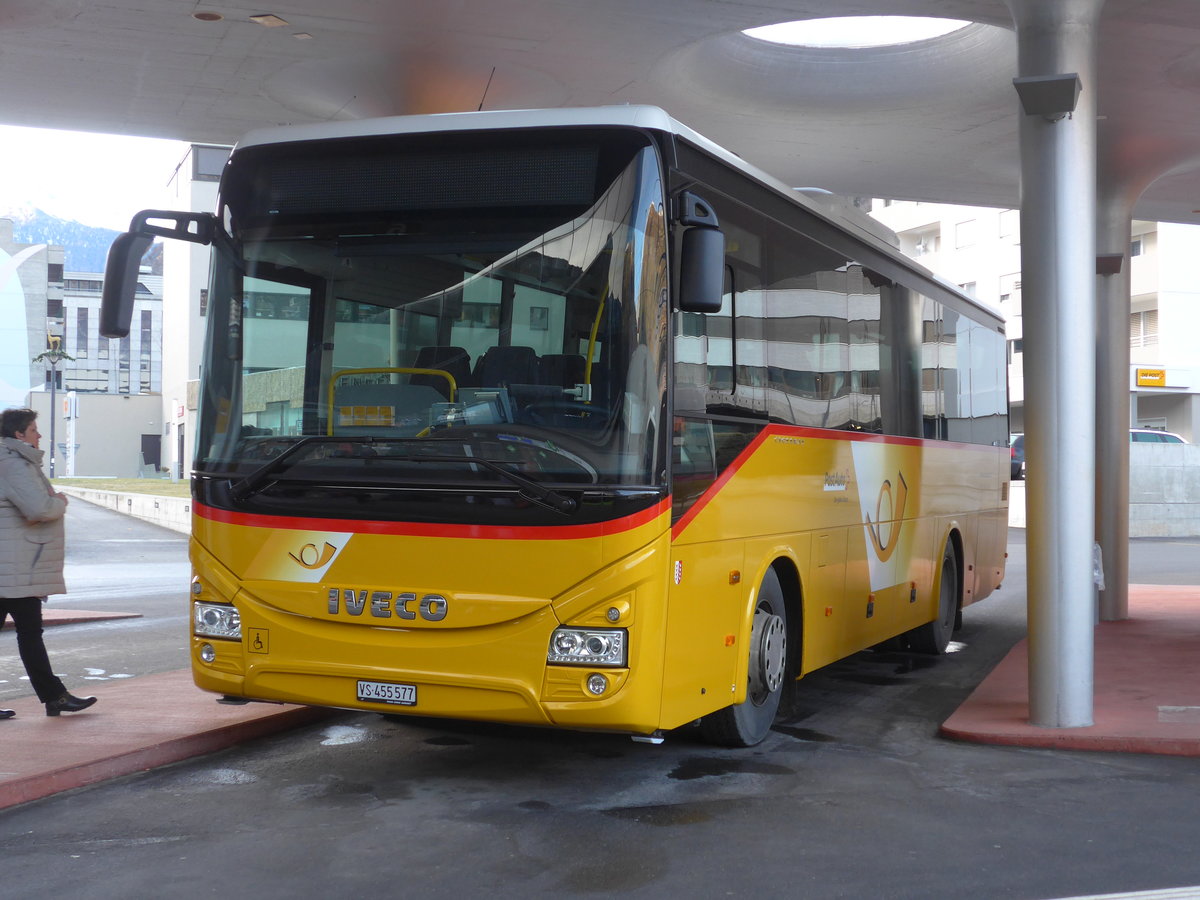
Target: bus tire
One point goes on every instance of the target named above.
(934, 637)
(749, 722)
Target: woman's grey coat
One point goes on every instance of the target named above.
(31, 525)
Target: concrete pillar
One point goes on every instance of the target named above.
(1114, 216)
(1058, 262)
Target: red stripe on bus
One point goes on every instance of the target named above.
(722, 479)
(816, 434)
(424, 529)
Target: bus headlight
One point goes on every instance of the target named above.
(588, 647)
(216, 620)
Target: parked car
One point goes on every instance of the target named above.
(1016, 454)
(1154, 436)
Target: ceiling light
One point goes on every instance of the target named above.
(270, 20)
(207, 16)
(856, 32)
(303, 36)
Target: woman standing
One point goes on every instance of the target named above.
(31, 554)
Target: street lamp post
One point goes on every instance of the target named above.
(53, 357)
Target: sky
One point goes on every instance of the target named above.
(99, 180)
(95, 179)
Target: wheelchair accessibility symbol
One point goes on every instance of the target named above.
(258, 640)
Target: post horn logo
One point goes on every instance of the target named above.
(885, 550)
(313, 558)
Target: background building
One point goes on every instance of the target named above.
(980, 251)
(185, 307)
(101, 405)
(31, 299)
(130, 365)
(117, 407)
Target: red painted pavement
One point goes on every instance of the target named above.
(1146, 685)
(52, 616)
(138, 724)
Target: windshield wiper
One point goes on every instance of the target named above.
(242, 489)
(529, 489)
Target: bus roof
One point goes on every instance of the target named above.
(628, 116)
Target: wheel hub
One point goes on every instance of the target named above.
(768, 653)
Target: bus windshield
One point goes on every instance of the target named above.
(437, 314)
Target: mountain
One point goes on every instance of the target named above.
(85, 246)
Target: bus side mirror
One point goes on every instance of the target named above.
(120, 282)
(123, 268)
(702, 256)
(702, 270)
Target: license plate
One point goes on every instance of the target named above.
(385, 692)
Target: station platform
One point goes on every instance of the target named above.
(1146, 685)
(1147, 700)
(138, 724)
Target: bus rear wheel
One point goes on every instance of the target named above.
(749, 722)
(934, 637)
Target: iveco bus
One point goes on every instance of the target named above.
(568, 418)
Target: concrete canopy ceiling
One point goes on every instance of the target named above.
(934, 120)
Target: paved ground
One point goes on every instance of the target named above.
(854, 795)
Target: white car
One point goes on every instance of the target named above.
(1154, 436)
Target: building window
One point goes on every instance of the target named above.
(927, 243)
(1015, 348)
(1010, 294)
(54, 307)
(92, 380)
(123, 367)
(57, 379)
(102, 348)
(54, 272)
(203, 302)
(208, 162)
(1143, 328)
(81, 332)
(1135, 247)
(1010, 224)
(147, 334)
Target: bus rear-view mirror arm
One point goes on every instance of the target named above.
(123, 268)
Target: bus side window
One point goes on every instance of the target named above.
(694, 462)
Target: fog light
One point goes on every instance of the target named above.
(597, 684)
(207, 653)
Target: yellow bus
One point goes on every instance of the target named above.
(569, 418)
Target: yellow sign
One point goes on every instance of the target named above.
(366, 415)
(1151, 377)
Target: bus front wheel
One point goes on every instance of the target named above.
(749, 722)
